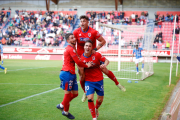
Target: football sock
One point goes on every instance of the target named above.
(142, 65)
(73, 96)
(92, 108)
(98, 104)
(112, 77)
(2, 67)
(137, 69)
(2, 61)
(66, 101)
(82, 85)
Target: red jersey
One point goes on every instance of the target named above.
(82, 37)
(70, 58)
(94, 73)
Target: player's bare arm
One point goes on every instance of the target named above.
(103, 66)
(101, 43)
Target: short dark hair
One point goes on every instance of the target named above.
(67, 36)
(84, 17)
(89, 41)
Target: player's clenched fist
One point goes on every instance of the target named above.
(89, 64)
(102, 66)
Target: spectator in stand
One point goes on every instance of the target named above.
(1, 35)
(133, 16)
(160, 37)
(3, 41)
(172, 17)
(156, 40)
(177, 30)
(167, 45)
(177, 18)
(136, 17)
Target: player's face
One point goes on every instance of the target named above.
(84, 24)
(72, 40)
(88, 47)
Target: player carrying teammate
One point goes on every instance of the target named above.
(83, 34)
(94, 78)
(68, 76)
(139, 58)
(1, 58)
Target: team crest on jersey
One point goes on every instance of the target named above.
(89, 34)
(79, 34)
(84, 61)
(93, 57)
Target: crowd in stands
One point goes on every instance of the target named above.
(165, 18)
(4, 15)
(38, 28)
(117, 17)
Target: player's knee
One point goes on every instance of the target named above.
(100, 99)
(90, 100)
(75, 95)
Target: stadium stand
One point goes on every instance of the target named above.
(39, 28)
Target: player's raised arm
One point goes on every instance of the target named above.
(80, 63)
(101, 43)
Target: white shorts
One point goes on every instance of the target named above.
(139, 60)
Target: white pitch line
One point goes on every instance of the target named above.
(24, 84)
(24, 69)
(28, 97)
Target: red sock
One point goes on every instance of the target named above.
(82, 85)
(98, 104)
(73, 96)
(66, 101)
(112, 77)
(92, 109)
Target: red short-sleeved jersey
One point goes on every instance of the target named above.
(82, 37)
(68, 63)
(93, 73)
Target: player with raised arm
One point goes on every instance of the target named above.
(139, 58)
(83, 34)
(68, 76)
(1, 58)
(94, 77)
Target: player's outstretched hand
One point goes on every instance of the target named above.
(89, 64)
(102, 66)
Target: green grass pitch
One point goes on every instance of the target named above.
(142, 101)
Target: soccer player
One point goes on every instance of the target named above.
(1, 52)
(83, 34)
(94, 77)
(139, 58)
(1, 57)
(68, 76)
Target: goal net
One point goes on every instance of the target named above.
(120, 42)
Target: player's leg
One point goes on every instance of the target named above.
(110, 75)
(82, 82)
(142, 69)
(1, 58)
(5, 69)
(113, 78)
(137, 69)
(81, 77)
(67, 84)
(98, 104)
(99, 87)
(90, 95)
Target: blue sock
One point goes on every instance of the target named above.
(2, 67)
(2, 62)
(137, 69)
(142, 65)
